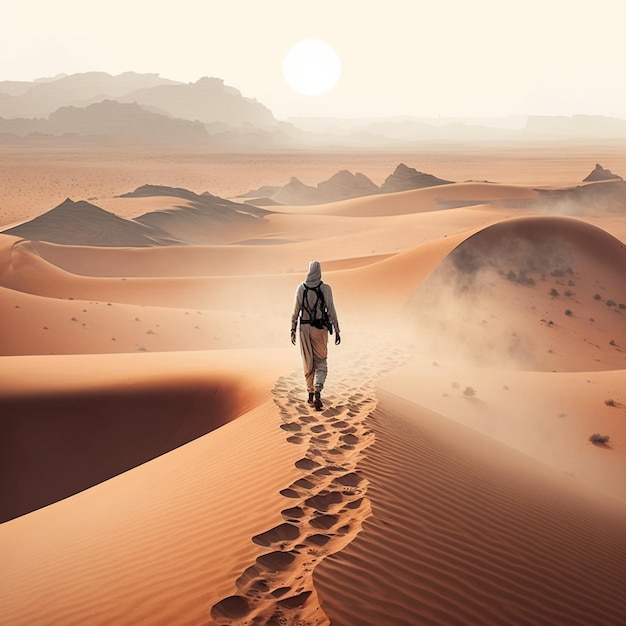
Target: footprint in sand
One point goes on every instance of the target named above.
(329, 501)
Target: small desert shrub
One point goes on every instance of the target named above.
(622, 306)
(611, 303)
(568, 293)
(598, 439)
(469, 392)
(610, 402)
(571, 283)
(557, 273)
(597, 296)
(554, 292)
(612, 342)
(568, 312)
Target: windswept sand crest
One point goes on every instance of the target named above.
(464, 530)
(97, 416)
(160, 542)
(324, 508)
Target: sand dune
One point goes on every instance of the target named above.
(465, 531)
(161, 465)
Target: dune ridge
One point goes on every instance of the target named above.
(466, 531)
(325, 507)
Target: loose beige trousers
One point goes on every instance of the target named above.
(314, 351)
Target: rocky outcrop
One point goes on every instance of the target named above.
(405, 178)
(599, 173)
(295, 192)
(344, 185)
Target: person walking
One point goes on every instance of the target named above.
(314, 308)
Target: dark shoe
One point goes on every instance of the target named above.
(310, 400)
(318, 402)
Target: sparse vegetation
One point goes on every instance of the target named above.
(469, 392)
(568, 312)
(598, 439)
(610, 302)
(520, 278)
(554, 292)
(612, 342)
(568, 293)
(610, 402)
(597, 296)
(622, 306)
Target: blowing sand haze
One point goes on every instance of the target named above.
(161, 462)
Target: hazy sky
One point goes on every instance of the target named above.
(399, 57)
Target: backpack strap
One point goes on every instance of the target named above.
(320, 304)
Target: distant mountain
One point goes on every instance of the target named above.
(141, 106)
(341, 186)
(43, 97)
(112, 120)
(236, 123)
(84, 224)
(207, 100)
(405, 178)
(115, 119)
(575, 127)
(403, 130)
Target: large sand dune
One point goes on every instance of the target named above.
(160, 463)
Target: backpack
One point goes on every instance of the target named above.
(323, 321)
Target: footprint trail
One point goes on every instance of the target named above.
(324, 508)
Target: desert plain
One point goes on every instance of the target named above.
(160, 464)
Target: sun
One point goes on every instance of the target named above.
(311, 67)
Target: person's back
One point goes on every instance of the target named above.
(314, 309)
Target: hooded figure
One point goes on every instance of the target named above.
(315, 309)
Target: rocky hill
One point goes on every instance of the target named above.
(341, 186)
(111, 120)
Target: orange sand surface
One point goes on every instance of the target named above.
(160, 463)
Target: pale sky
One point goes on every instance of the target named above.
(399, 57)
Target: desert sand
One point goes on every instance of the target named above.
(160, 464)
